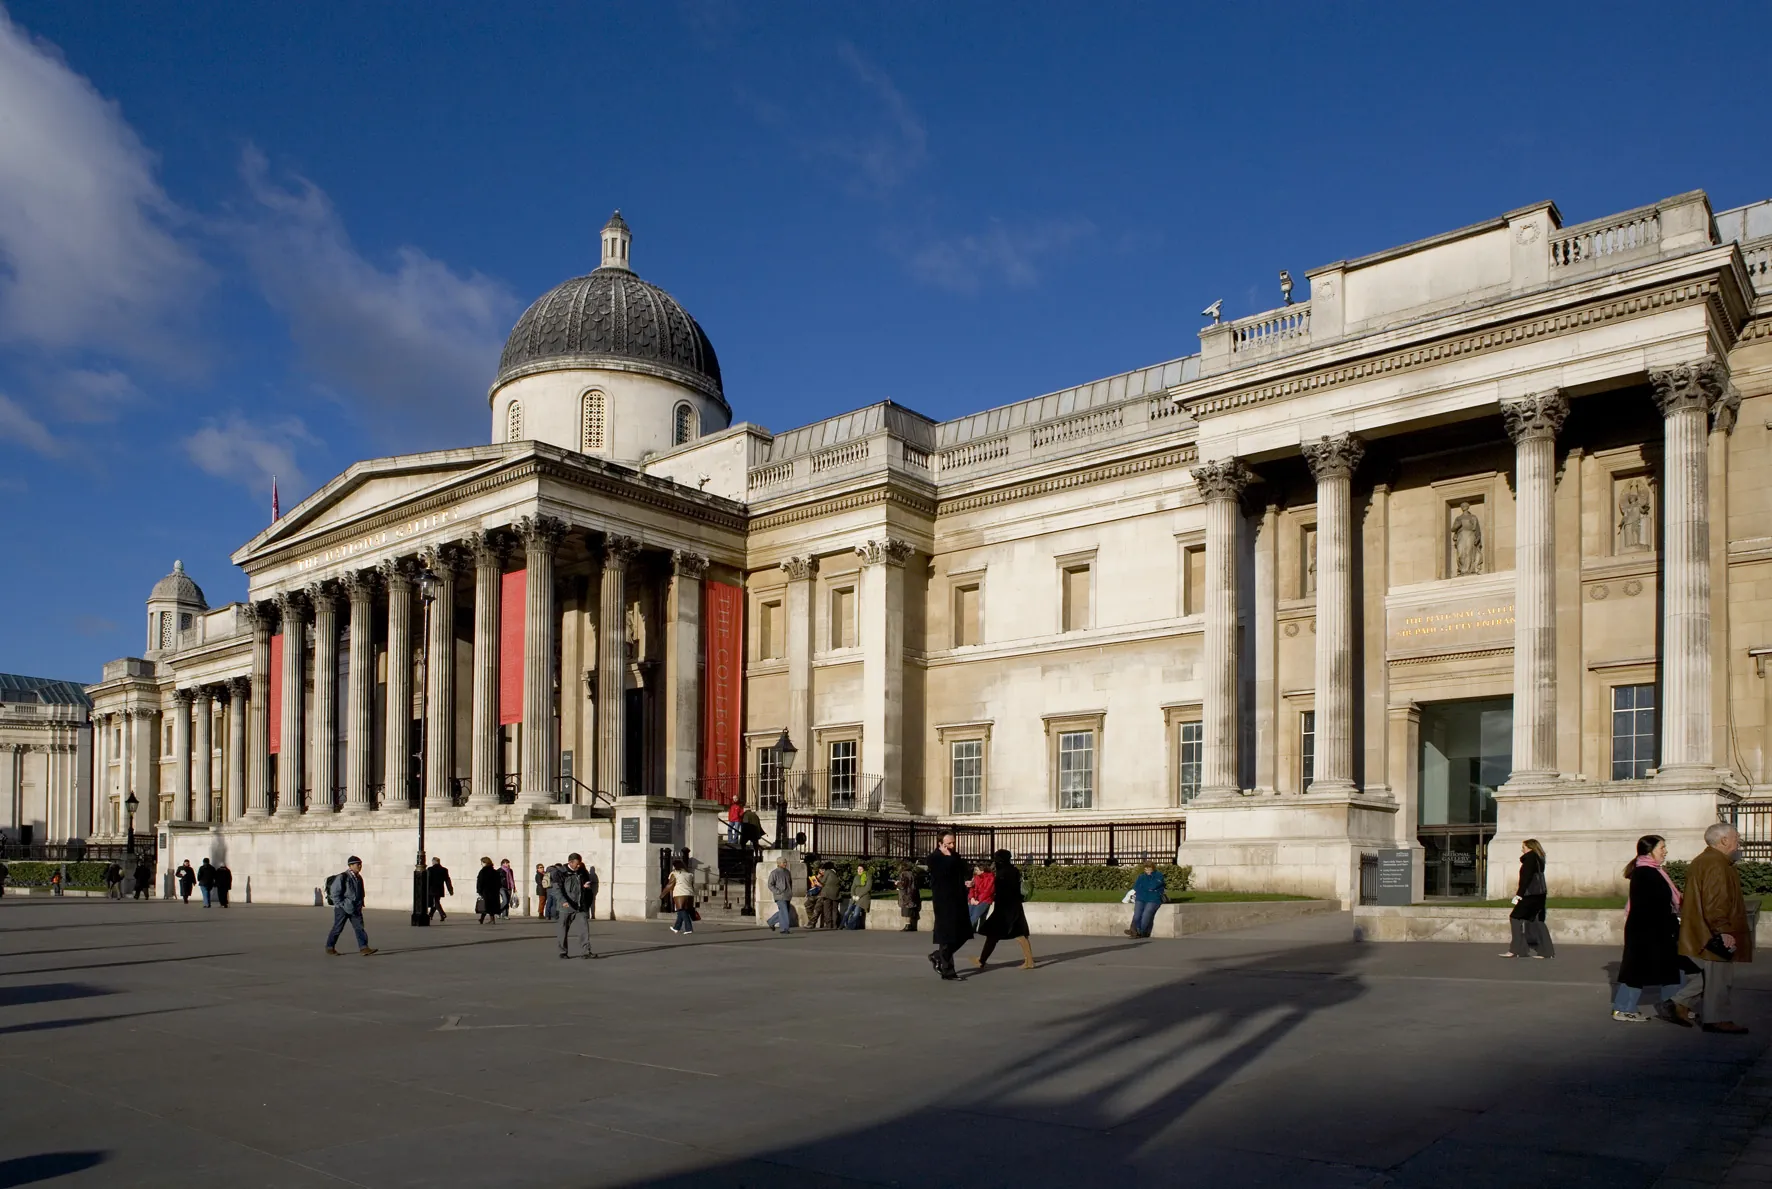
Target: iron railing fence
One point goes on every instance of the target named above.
(819, 790)
(1752, 819)
(831, 836)
(75, 852)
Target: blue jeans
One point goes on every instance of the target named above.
(977, 912)
(1627, 998)
(1144, 915)
(686, 919)
(784, 913)
(339, 917)
(206, 892)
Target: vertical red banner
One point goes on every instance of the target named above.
(276, 693)
(722, 742)
(513, 597)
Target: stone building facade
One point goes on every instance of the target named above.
(1473, 545)
(45, 760)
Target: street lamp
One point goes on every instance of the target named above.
(421, 900)
(130, 805)
(785, 754)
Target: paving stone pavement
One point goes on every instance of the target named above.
(157, 1044)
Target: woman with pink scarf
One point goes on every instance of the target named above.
(1651, 937)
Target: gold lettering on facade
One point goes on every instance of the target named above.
(376, 540)
(1453, 622)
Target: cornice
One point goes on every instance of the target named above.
(883, 493)
(1758, 328)
(1179, 457)
(1429, 354)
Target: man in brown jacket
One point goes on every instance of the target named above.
(1714, 929)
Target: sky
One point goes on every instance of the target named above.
(242, 240)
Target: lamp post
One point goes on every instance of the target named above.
(129, 806)
(785, 754)
(421, 900)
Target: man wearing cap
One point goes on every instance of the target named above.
(345, 891)
(574, 883)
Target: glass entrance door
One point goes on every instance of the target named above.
(1466, 754)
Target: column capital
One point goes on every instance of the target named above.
(260, 616)
(205, 693)
(397, 572)
(799, 569)
(488, 546)
(687, 564)
(1333, 457)
(886, 551)
(1224, 480)
(1696, 385)
(359, 585)
(1536, 416)
(183, 697)
(442, 559)
(290, 604)
(619, 550)
(540, 532)
(320, 593)
(239, 688)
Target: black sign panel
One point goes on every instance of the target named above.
(1395, 877)
(661, 830)
(630, 829)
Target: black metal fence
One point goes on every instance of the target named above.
(821, 790)
(831, 836)
(74, 852)
(1753, 821)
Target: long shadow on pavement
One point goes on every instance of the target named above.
(45, 1166)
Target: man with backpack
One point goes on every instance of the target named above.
(344, 892)
(575, 890)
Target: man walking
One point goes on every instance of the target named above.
(344, 892)
(573, 890)
(437, 884)
(187, 879)
(781, 890)
(206, 881)
(224, 879)
(830, 891)
(948, 872)
(1714, 930)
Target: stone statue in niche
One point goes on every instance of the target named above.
(1467, 542)
(1310, 563)
(635, 633)
(1633, 519)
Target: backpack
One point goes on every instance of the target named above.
(336, 888)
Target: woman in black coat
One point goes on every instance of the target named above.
(1651, 936)
(489, 886)
(1527, 918)
(947, 898)
(1007, 917)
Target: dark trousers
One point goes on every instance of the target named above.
(1529, 929)
(574, 920)
(339, 917)
(437, 908)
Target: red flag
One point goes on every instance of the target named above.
(276, 512)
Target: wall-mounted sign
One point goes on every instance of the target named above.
(662, 830)
(630, 829)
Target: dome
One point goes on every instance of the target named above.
(177, 587)
(611, 318)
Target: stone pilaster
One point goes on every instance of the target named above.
(323, 737)
(258, 787)
(1332, 462)
(683, 674)
(291, 741)
(1687, 396)
(1221, 486)
(101, 775)
(540, 535)
(800, 625)
(1533, 424)
(396, 574)
(488, 548)
(612, 661)
(359, 712)
(203, 755)
(181, 755)
(882, 671)
(239, 688)
(443, 562)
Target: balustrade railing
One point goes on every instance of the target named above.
(972, 453)
(1759, 266)
(1637, 231)
(773, 475)
(1284, 329)
(1086, 425)
(914, 457)
(841, 456)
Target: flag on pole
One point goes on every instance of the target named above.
(276, 512)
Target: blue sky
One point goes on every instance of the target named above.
(242, 238)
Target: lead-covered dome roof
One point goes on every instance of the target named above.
(178, 587)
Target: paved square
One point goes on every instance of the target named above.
(157, 1044)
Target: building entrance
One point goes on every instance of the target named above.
(1466, 754)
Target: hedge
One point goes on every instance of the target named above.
(1756, 878)
(89, 876)
(1060, 877)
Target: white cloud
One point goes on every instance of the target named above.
(17, 425)
(1000, 254)
(415, 342)
(252, 454)
(86, 394)
(89, 258)
(897, 144)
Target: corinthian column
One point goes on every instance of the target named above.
(203, 756)
(882, 673)
(1221, 485)
(1686, 395)
(802, 575)
(489, 553)
(323, 738)
(442, 561)
(1332, 461)
(540, 536)
(683, 673)
(289, 743)
(1533, 424)
(359, 713)
(612, 663)
(397, 747)
(238, 689)
(181, 755)
(258, 802)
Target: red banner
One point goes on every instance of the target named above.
(276, 691)
(722, 741)
(513, 593)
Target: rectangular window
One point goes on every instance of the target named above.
(1075, 614)
(1076, 770)
(968, 761)
(1193, 747)
(1633, 731)
(842, 773)
(966, 615)
(1193, 589)
(769, 780)
(843, 617)
(1307, 748)
(771, 641)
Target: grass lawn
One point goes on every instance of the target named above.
(1553, 902)
(1094, 896)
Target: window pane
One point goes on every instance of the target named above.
(1076, 769)
(1192, 750)
(968, 762)
(842, 773)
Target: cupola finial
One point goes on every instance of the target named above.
(616, 241)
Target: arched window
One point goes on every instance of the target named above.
(591, 433)
(514, 422)
(684, 428)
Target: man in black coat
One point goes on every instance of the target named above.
(187, 879)
(575, 887)
(206, 881)
(437, 884)
(948, 873)
(224, 879)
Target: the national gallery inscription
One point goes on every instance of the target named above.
(1475, 623)
(376, 540)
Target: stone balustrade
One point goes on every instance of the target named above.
(1613, 240)
(1285, 329)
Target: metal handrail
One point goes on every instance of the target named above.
(566, 786)
(508, 787)
(816, 791)
(460, 788)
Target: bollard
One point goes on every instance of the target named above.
(249, 889)
(318, 902)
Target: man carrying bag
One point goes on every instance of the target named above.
(1714, 930)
